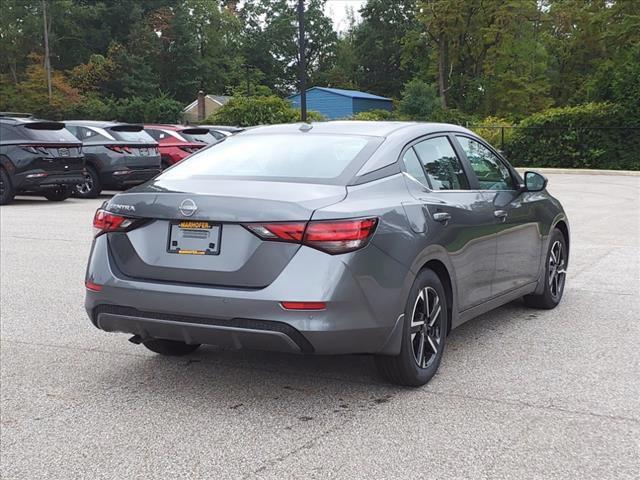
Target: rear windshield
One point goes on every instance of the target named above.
(129, 136)
(292, 157)
(201, 137)
(46, 135)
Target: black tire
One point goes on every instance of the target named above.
(92, 186)
(555, 275)
(170, 347)
(404, 369)
(164, 164)
(6, 188)
(58, 194)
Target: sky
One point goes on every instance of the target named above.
(336, 9)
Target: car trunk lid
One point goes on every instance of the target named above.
(240, 258)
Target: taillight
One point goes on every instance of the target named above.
(104, 222)
(333, 236)
(36, 149)
(119, 148)
(340, 236)
(285, 232)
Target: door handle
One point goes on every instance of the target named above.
(442, 217)
(500, 214)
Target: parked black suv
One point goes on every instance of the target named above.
(118, 155)
(38, 156)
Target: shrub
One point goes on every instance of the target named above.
(249, 111)
(373, 115)
(594, 135)
(491, 130)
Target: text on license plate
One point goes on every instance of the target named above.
(190, 237)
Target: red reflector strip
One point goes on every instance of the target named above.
(94, 287)
(304, 305)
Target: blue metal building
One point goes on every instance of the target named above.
(336, 103)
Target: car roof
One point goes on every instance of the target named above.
(175, 128)
(96, 123)
(354, 127)
(22, 120)
(223, 128)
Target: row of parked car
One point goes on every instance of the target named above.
(83, 157)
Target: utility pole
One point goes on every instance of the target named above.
(302, 63)
(47, 60)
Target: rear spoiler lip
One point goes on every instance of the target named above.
(126, 127)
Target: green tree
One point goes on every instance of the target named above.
(380, 41)
(419, 100)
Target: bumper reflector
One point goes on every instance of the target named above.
(304, 305)
(93, 287)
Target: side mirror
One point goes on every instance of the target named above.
(534, 182)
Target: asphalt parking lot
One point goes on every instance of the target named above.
(520, 393)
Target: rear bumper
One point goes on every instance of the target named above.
(24, 183)
(363, 309)
(128, 177)
(235, 333)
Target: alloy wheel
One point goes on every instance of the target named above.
(557, 271)
(426, 327)
(87, 186)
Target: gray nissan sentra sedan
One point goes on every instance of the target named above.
(331, 238)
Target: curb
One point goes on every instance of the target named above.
(581, 171)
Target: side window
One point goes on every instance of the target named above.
(156, 134)
(217, 135)
(491, 172)
(443, 167)
(412, 164)
(88, 135)
(73, 130)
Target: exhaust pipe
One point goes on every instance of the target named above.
(137, 339)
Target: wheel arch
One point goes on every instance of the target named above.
(564, 228)
(440, 269)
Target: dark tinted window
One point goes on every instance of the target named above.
(412, 164)
(217, 135)
(443, 167)
(491, 172)
(286, 156)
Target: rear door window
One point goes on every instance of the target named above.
(491, 172)
(441, 164)
(413, 166)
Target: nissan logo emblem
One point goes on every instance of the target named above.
(188, 207)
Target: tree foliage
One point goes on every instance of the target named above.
(456, 61)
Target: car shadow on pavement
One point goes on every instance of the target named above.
(232, 374)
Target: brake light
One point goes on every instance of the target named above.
(340, 236)
(333, 236)
(104, 222)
